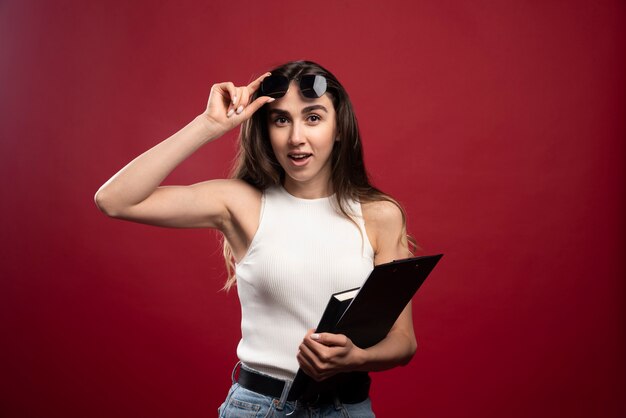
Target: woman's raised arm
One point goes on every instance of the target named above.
(134, 193)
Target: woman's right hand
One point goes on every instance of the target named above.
(134, 193)
(229, 105)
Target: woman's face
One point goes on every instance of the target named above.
(302, 134)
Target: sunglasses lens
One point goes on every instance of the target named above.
(274, 86)
(313, 86)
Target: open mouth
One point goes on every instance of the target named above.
(299, 157)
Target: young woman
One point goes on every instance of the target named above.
(300, 221)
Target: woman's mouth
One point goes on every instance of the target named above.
(299, 158)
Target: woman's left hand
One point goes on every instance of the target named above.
(324, 355)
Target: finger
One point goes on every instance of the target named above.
(305, 361)
(320, 355)
(304, 352)
(329, 340)
(225, 91)
(254, 86)
(312, 365)
(232, 93)
(312, 354)
(235, 100)
(229, 88)
(249, 110)
(308, 368)
(243, 99)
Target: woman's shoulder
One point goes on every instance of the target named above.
(382, 213)
(241, 205)
(234, 194)
(385, 226)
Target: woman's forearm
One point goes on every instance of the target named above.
(397, 349)
(139, 178)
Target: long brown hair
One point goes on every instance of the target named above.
(257, 165)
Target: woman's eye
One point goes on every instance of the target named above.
(314, 118)
(280, 121)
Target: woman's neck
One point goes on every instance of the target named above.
(316, 190)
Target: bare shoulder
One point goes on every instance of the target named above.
(240, 209)
(229, 200)
(382, 214)
(243, 197)
(384, 225)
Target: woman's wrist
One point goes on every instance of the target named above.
(208, 129)
(361, 360)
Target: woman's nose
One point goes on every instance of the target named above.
(296, 136)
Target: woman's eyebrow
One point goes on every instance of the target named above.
(278, 111)
(304, 110)
(314, 107)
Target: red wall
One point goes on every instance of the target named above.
(499, 125)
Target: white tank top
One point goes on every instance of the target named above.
(303, 251)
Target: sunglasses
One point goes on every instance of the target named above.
(311, 86)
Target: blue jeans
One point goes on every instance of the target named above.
(243, 403)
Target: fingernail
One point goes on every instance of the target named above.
(315, 336)
(230, 113)
(239, 109)
(234, 99)
(271, 99)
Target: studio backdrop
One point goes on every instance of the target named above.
(498, 125)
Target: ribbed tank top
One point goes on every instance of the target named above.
(303, 251)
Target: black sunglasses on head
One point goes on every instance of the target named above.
(311, 86)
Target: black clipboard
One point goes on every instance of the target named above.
(371, 313)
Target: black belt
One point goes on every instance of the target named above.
(266, 385)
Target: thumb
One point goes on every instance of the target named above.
(329, 340)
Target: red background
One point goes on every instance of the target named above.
(499, 125)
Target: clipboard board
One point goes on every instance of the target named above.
(367, 314)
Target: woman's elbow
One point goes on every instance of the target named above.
(105, 204)
(411, 348)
